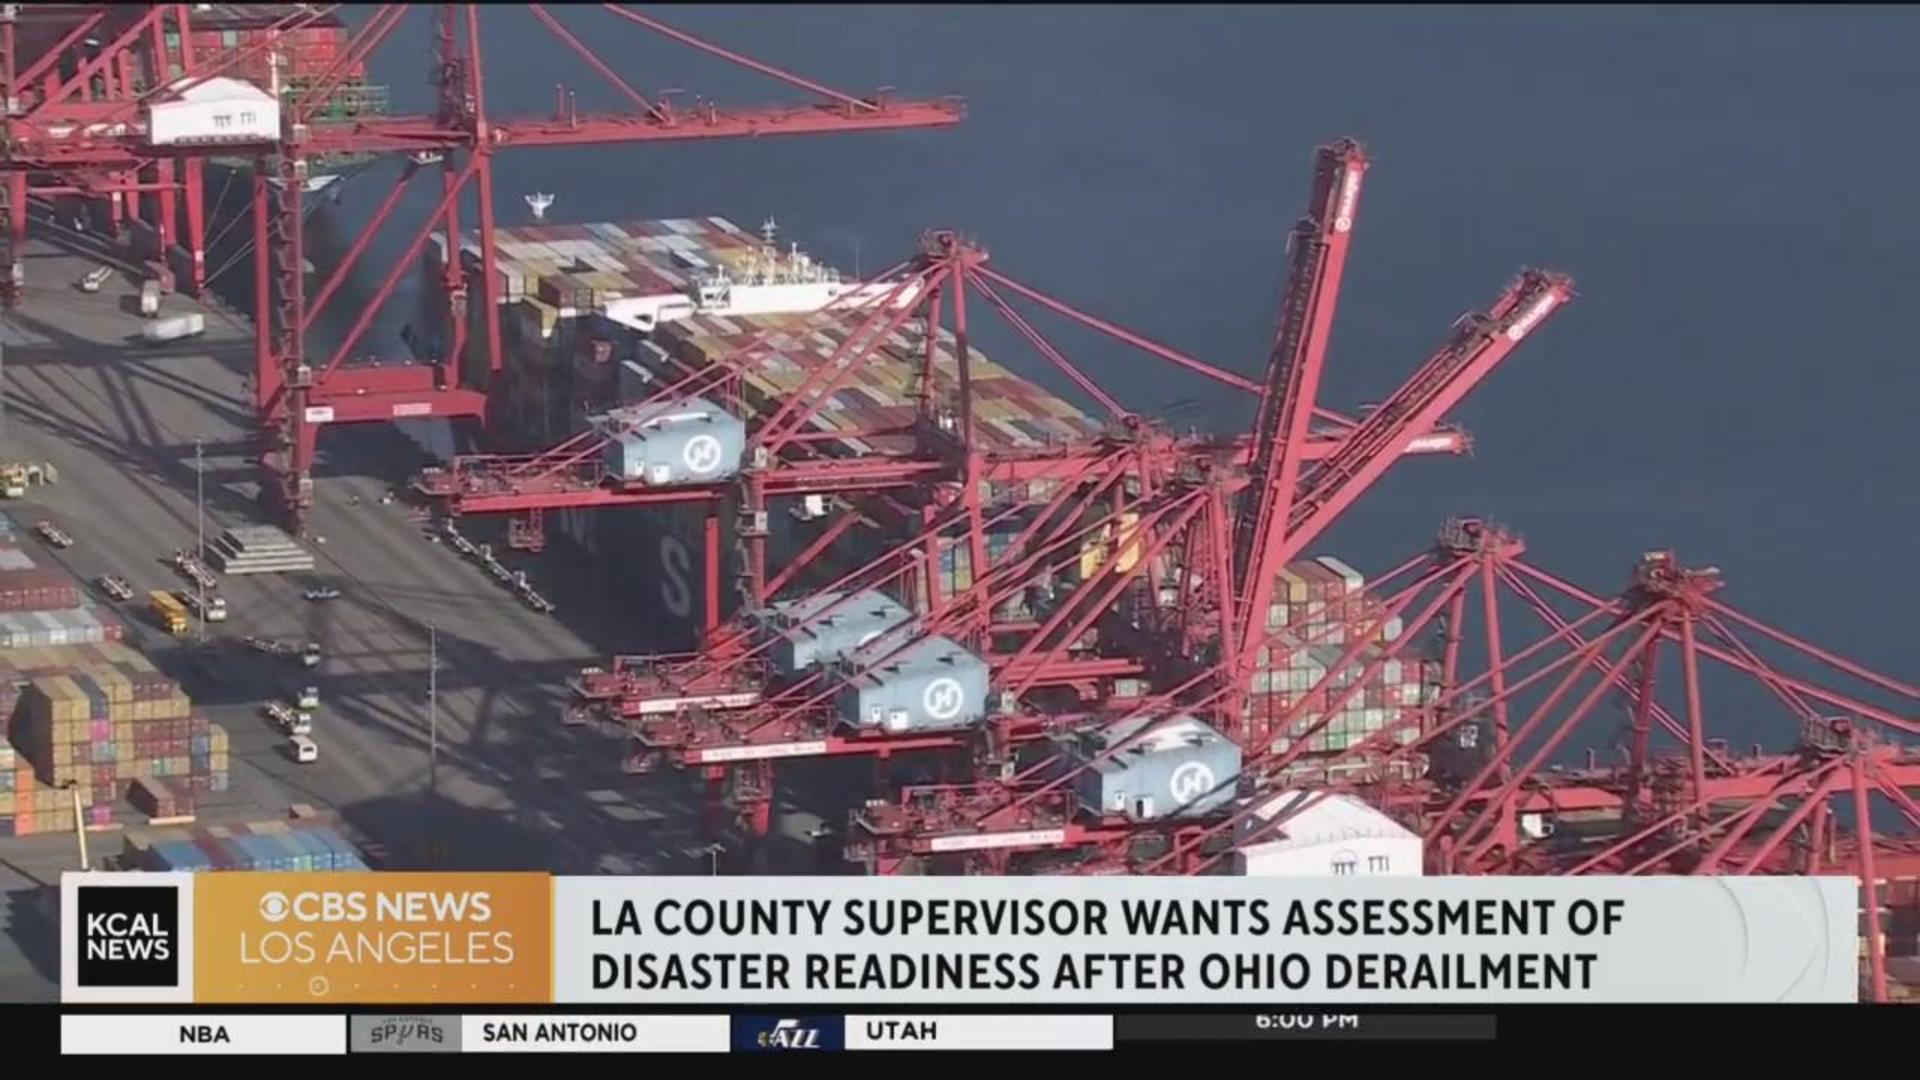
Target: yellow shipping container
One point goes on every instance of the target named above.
(117, 687)
(1292, 587)
(1129, 542)
(6, 803)
(218, 739)
(55, 698)
(138, 661)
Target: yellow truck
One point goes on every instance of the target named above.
(170, 611)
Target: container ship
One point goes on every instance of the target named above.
(596, 317)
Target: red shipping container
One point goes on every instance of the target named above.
(39, 589)
(1332, 585)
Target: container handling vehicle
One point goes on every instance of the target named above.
(308, 654)
(290, 720)
(16, 477)
(190, 566)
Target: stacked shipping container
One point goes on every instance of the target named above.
(42, 606)
(86, 715)
(266, 845)
(582, 300)
(1010, 413)
(303, 55)
(562, 271)
(98, 730)
(1320, 611)
(18, 667)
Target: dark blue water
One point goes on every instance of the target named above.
(1732, 189)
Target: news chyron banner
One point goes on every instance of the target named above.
(232, 937)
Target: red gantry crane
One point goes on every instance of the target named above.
(90, 136)
(1139, 582)
(297, 396)
(1165, 503)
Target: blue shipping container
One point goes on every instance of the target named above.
(296, 857)
(279, 855)
(180, 855)
(312, 850)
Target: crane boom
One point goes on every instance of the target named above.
(1478, 345)
(1319, 251)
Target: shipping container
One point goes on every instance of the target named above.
(37, 589)
(173, 328)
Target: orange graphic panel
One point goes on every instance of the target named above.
(373, 938)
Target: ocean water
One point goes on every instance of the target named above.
(1730, 188)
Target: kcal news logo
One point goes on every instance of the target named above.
(129, 935)
(760, 1034)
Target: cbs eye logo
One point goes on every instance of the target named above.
(274, 907)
